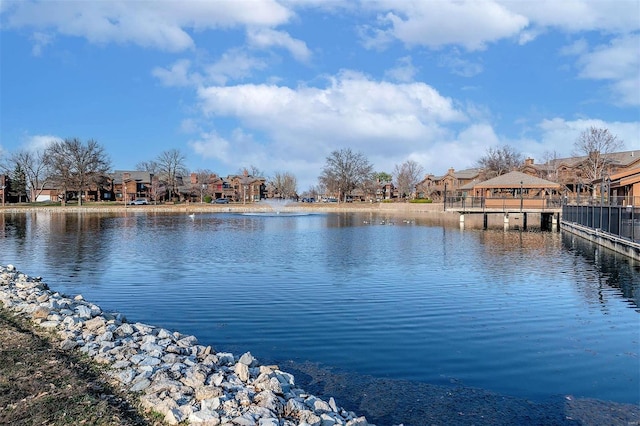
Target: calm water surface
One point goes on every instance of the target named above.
(523, 314)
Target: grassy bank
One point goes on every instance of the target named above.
(43, 385)
(106, 207)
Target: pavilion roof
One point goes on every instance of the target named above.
(517, 180)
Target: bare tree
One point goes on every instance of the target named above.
(251, 171)
(550, 159)
(345, 171)
(76, 165)
(501, 160)
(285, 185)
(201, 185)
(36, 170)
(407, 175)
(170, 167)
(148, 166)
(597, 145)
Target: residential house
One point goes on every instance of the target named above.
(247, 188)
(624, 187)
(456, 183)
(212, 185)
(571, 172)
(128, 185)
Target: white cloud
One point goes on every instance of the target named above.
(298, 127)
(177, 75)
(471, 24)
(461, 150)
(404, 71)
(212, 146)
(160, 25)
(558, 134)
(189, 125)
(40, 41)
(352, 109)
(233, 65)
(579, 15)
(266, 38)
(39, 142)
(459, 66)
(617, 62)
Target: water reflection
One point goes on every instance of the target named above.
(523, 313)
(604, 269)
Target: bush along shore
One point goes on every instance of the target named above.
(171, 374)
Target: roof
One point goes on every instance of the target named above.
(625, 178)
(467, 173)
(517, 180)
(469, 186)
(622, 159)
(137, 175)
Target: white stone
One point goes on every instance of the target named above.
(68, 344)
(83, 312)
(360, 421)
(140, 385)
(242, 371)
(94, 324)
(244, 420)
(125, 330)
(332, 404)
(211, 404)
(204, 418)
(247, 359)
(125, 376)
(49, 324)
(225, 358)
(174, 416)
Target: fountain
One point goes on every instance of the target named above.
(276, 208)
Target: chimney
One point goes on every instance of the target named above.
(528, 162)
(451, 170)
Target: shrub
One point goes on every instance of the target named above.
(422, 200)
(207, 199)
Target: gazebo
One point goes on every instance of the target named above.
(516, 190)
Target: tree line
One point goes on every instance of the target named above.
(71, 165)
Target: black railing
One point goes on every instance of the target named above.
(616, 218)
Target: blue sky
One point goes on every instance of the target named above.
(280, 84)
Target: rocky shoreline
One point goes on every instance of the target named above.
(171, 373)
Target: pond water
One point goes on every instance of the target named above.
(404, 297)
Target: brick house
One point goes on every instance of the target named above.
(247, 188)
(456, 183)
(570, 172)
(127, 185)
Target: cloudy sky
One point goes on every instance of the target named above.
(279, 84)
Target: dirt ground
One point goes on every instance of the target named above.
(42, 385)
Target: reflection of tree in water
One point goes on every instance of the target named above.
(606, 269)
(76, 244)
(14, 227)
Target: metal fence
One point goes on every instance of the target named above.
(617, 217)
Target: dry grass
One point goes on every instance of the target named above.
(42, 385)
